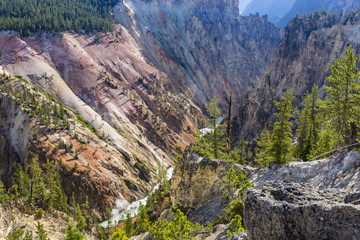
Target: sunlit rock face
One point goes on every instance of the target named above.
(204, 46)
(299, 200)
(306, 200)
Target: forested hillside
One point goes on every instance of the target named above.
(35, 16)
(307, 6)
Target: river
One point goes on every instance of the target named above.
(123, 208)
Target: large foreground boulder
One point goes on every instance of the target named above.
(306, 200)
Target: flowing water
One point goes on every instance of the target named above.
(123, 208)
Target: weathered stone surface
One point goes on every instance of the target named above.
(300, 200)
(306, 200)
(197, 185)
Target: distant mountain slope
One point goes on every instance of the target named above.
(275, 9)
(204, 46)
(308, 6)
(302, 59)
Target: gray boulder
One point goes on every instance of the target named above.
(306, 200)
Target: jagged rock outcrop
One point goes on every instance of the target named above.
(300, 200)
(197, 186)
(302, 59)
(204, 46)
(306, 200)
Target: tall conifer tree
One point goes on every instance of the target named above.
(342, 103)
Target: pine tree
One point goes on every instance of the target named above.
(281, 138)
(228, 128)
(37, 186)
(22, 182)
(80, 218)
(217, 129)
(129, 226)
(278, 147)
(328, 140)
(4, 196)
(263, 145)
(236, 182)
(40, 232)
(202, 146)
(229, 181)
(15, 235)
(180, 228)
(28, 236)
(309, 125)
(55, 197)
(342, 103)
(211, 143)
(119, 234)
(143, 222)
(72, 233)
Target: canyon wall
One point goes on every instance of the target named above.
(204, 47)
(302, 59)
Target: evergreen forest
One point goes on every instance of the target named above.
(36, 16)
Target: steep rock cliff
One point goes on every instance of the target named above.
(89, 167)
(205, 47)
(105, 79)
(197, 185)
(302, 59)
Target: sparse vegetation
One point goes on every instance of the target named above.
(212, 143)
(73, 234)
(235, 182)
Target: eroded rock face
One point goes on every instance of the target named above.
(204, 46)
(300, 200)
(302, 59)
(197, 186)
(306, 200)
(99, 173)
(115, 90)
